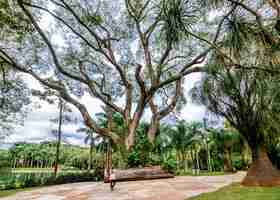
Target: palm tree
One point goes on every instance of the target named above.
(91, 139)
(59, 132)
(229, 139)
(183, 137)
(163, 143)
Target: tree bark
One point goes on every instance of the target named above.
(261, 171)
(153, 129)
(159, 114)
(130, 139)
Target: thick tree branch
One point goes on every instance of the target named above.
(170, 107)
(61, 89)
(102, 43)
(103, 97)
(49, 45)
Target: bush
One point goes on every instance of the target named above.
(134, 160)
(140, 154)
(4, 163)
(169, 165)
(238, 163)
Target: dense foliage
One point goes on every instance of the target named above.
(24, 155)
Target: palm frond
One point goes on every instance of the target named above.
(178, 17)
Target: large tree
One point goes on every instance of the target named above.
(126, 53)
(242, 82)
(247, 99)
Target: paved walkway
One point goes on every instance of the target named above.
(178, 188)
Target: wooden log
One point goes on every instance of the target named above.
(139, 174)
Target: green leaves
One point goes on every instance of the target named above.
(12, 21)
(277, 26)
(238, 36)
(93, 19)
(177, 20)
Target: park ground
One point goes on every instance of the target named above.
(178, 188)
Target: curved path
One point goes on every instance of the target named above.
(178, 188)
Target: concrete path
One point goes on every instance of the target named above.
(178, 188)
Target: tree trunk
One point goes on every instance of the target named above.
(208, 158)
(90, 154)
(261, 171)
(153, 129)
(58, 137)
(15, 163)
(130, 139)
(193, 160)
(197, 161)
(227, 161)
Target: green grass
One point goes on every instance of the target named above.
(24, 177)
(6, 193)
(188, 173)
(238, 192)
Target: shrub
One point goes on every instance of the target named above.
(238, 163)
(133, 159)
(140, 154)
(169, 165)
(4, 164)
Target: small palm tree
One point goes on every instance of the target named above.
(183, 136)
(92, 139)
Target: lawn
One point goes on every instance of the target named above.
(6, 193)
(202, 173)
(26, 178)
(238, 192)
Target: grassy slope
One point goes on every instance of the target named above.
(238, 192)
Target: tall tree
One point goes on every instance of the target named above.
(242, 79)
(62, 119)
(92, 139)
(131, 50)
(246, 99)
(59, 133)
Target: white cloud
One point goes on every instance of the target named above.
(192, 112)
